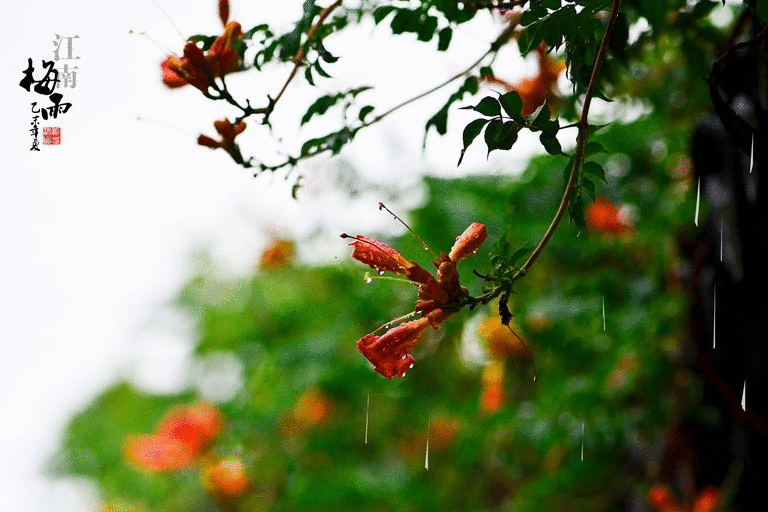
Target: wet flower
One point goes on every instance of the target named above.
(438, 297)
(199, 68)
(389, 353)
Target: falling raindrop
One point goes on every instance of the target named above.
(367, 410)
(603, 313)
(698, 200)
(721, 239)
(714, 315)
(426, 455)
(582, 441)
(752, 154)
(744, 397)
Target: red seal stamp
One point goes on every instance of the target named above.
(51, 135)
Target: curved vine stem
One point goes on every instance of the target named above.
(581, 142)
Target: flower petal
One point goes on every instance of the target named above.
(389, 353)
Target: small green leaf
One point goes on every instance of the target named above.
(308, 75)
(593, 168)
(486, 71)
(444, 39)
(471, 131)
(551, 144)
(364, 112)
(593, 148)
(488, 106)
(589, 186)
(381, 12)
(320, 70)
(512, 105)
(206, 40)
(500, 135)
(540, 118)
(426, 28)
(325, 54)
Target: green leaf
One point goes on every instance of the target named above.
(381, 12)
(488, 106)
(320, 70)
(325, 54)
(364, 112)
(486, 71)
(206, 40)
(593, 168)
(308, 75)
(426, 29)
(551, 144)
(471, 131)
(405, 20)
(593, 148)
(439, 121)
(512, 105)
(589, 186)
(444, 39)
(500, 135)
(540, 118)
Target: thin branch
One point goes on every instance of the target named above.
(497, 43)
(581, 141)
(298, 59)
(427, 92)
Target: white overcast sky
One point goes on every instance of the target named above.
(97, 234)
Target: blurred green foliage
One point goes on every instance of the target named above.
(294, 329)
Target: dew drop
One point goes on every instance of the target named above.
(381, 272)
(368, 279)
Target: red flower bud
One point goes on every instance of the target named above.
(468, 242)
(208, 142)
(224, 11)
